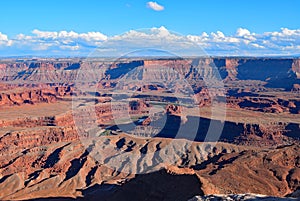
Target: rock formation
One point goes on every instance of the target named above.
(68, 129)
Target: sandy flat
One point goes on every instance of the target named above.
(36, 110)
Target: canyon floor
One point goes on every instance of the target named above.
(150, 129)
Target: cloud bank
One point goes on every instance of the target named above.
(70, 43)
(155, 6)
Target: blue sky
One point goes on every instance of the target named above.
(110, 18)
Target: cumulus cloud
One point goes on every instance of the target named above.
(155, 6)
(89, 36)
(242, 32)
(3, 37)
(242, 43)
(285, 32)
(4, 41)
(157, 38)
(64, 42)
(44, 34)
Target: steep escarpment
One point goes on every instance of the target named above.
(250, 134)
(296, 67)
(27, 95)
(277, 165)
(49, 71)
(264, 104)
(16, 141)
(60, 169)
(72, 170)
(276, 72)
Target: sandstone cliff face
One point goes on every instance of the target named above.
(49, 72)
(17, 141)
(296, 67)
(264, 104)
(231, 68)
(278, 166)
(276, 72)
(27, 97)
(20, 96)
(61, 169)
(8, 70)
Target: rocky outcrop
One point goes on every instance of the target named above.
(69, 169)
(20, 95)
(296, 67)
(238, 197)
(174, 109)
(49, 71)
(250, 101)
(16, 141)
(27, 97)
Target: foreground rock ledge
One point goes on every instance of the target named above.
(238, 197)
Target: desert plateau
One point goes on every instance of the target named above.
(150, 129)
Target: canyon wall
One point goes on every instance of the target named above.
(272, 70)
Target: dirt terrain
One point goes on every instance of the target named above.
(106, 129)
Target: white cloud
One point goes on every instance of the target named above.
(3, 37)
(243, 42)
(285, 32)
(155, 6)
(93, 36)
(246, 35)
(257, 45)
(70, 47)
(65, 34)
(242, 32)
(89, 36)
(161, 31)
(4, 40)
(52, 41)
(45, 34)
(23, 37)
(42, 46)
(155, 38)
(147, 34)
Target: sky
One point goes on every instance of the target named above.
(220, 27)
